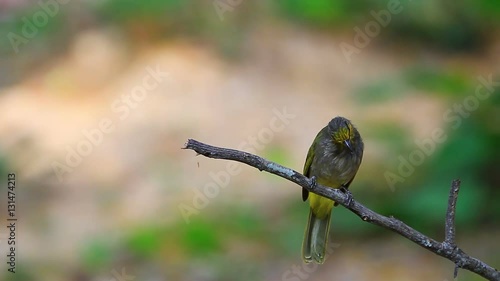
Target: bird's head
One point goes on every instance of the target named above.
(343, 133)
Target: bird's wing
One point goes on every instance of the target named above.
(307, 166)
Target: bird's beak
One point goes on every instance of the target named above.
(348, 144)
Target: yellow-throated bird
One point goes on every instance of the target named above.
(333, 159)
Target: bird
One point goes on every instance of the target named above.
(333, 161)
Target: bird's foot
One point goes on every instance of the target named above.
(314, 183)
(348, 194)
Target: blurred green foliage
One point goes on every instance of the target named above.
(185, 244)
(469, 153)
(460, 25)
(321, 13)
(449, 25)
(152, 9)
(145, 241)
(445, 82)
(200, 238)
(23, 25)
(97, 253)
(21, 275)
(154, 14)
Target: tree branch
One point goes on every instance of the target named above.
(446, 249)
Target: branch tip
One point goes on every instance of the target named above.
(450, 213)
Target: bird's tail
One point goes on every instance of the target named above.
(316, 238)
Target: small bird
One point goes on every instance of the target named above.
(333, 160)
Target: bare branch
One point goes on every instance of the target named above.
(450, 213)
(450, 219)
(446, 249)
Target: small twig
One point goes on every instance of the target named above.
(450, 220)
(450, 213)
(445, 249)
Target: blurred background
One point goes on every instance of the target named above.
(97, 98)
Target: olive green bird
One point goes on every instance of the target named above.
(333, 160)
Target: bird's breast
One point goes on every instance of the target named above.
(333, 169)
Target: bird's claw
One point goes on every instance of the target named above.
(348, 195)
(314, 183)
